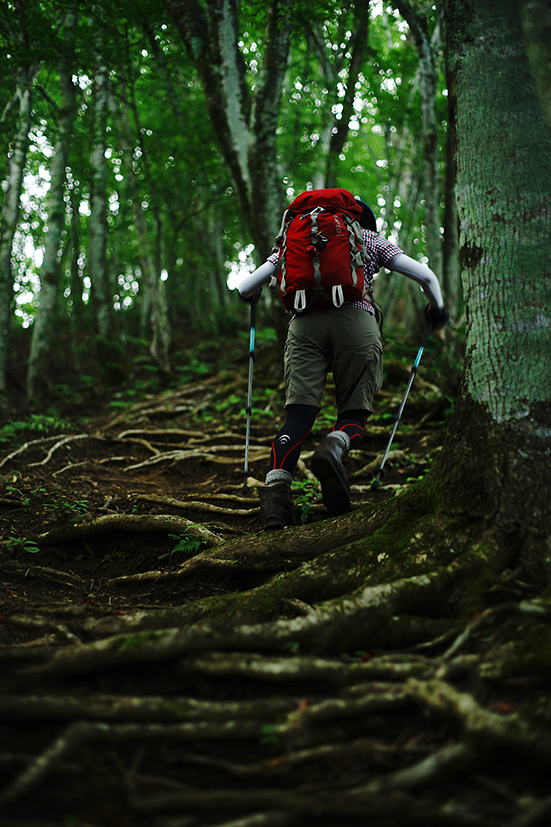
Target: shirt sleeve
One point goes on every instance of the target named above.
(381, 251)
(256, 279)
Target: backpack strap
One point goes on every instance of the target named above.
(358, 257)
(318, 242)
(280, 246)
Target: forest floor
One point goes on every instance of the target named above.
(130, 696)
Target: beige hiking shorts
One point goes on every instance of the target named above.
(341, 340)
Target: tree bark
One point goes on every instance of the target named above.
(451, 272)
(497, 464)
(101, 287)
(427, 87)
(536, 25)
(244, 123)
(44, 323)
(153, 288)
(10, 212)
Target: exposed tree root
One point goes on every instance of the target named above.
(337, 716)
(390, 665)
(365, 618)
(86, 527)
(275, 551)
(204, 506)
(216, 454)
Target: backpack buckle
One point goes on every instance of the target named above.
(300, 301)
(337, 294)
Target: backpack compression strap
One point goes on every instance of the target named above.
(358, 257)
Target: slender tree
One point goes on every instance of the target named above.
(427, 87)
(150, 243)
(341, 74)
(101, 284)
(245, 123)
(536, 24)
(10, 211)
(44, 322)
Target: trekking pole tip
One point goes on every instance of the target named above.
(377, 481)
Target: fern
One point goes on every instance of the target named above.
(188, 543)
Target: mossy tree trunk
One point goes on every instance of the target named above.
(497, 463)
(244, 122)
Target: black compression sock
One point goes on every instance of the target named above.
(353, 424)
(287, 444)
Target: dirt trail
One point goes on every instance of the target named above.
(128, 697)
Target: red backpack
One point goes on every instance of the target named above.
(322, 253)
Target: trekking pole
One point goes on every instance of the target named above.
(248, 409)
(379, 471)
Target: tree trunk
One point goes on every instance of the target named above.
(101, 286)
(108, 347)
(451, 272)
(536, 24)
(497, 465)
(10, 212)
(44, 322)
(339, 131)
(152, 287)
(427, 88)
(244, 125)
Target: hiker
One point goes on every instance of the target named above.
(330, 335)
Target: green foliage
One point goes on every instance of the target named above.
(172, 203)
(13, 430)
(305, 495)
(15, 544)
(75, 508)
(269, 736)
(194, 370)
(266, 335)
(25, 498)
(187, 542)
(326, 417)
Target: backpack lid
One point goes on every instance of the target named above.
(336, 199)
(332, 199)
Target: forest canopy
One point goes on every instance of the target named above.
(136, 182)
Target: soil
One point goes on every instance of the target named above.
(184, 447)
(124, 744)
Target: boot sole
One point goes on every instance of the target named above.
(334, 485)
(274, 524)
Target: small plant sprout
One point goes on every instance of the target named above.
(306, 493)
(15, 544)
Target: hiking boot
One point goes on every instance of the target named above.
(327, 465)
(277, 508)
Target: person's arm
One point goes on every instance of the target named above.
(256, 279)
(421, 274)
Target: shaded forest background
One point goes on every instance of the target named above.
(125, 209)
(163, 661)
